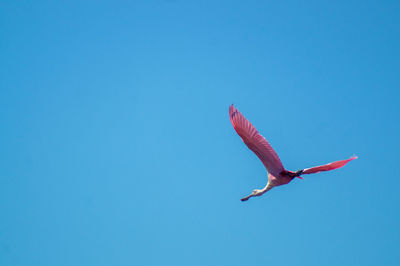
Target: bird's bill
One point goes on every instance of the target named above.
(248, 197)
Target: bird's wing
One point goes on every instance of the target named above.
(257, 143)
(328, 167)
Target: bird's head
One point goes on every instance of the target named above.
(256, 192)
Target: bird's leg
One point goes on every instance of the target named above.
(299, 173)
(289, 173)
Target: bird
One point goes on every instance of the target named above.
(277, 174)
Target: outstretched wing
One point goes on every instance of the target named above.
(255, 142)
(328, 167)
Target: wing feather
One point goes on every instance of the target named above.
(328, 167)
(255, 142)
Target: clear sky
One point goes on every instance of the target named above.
(116, 146)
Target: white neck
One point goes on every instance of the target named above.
(266, 188)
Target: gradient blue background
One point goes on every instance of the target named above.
(116, 146)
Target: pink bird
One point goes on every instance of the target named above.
(277, 174)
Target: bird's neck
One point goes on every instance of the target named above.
(266, 188)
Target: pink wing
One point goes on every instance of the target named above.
(327, 167)
(257, 143)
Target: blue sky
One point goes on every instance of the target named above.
(116, 146)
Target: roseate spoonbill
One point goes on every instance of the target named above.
(277, 174)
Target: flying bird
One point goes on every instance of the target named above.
(277, 174)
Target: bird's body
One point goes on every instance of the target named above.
(277, 174)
